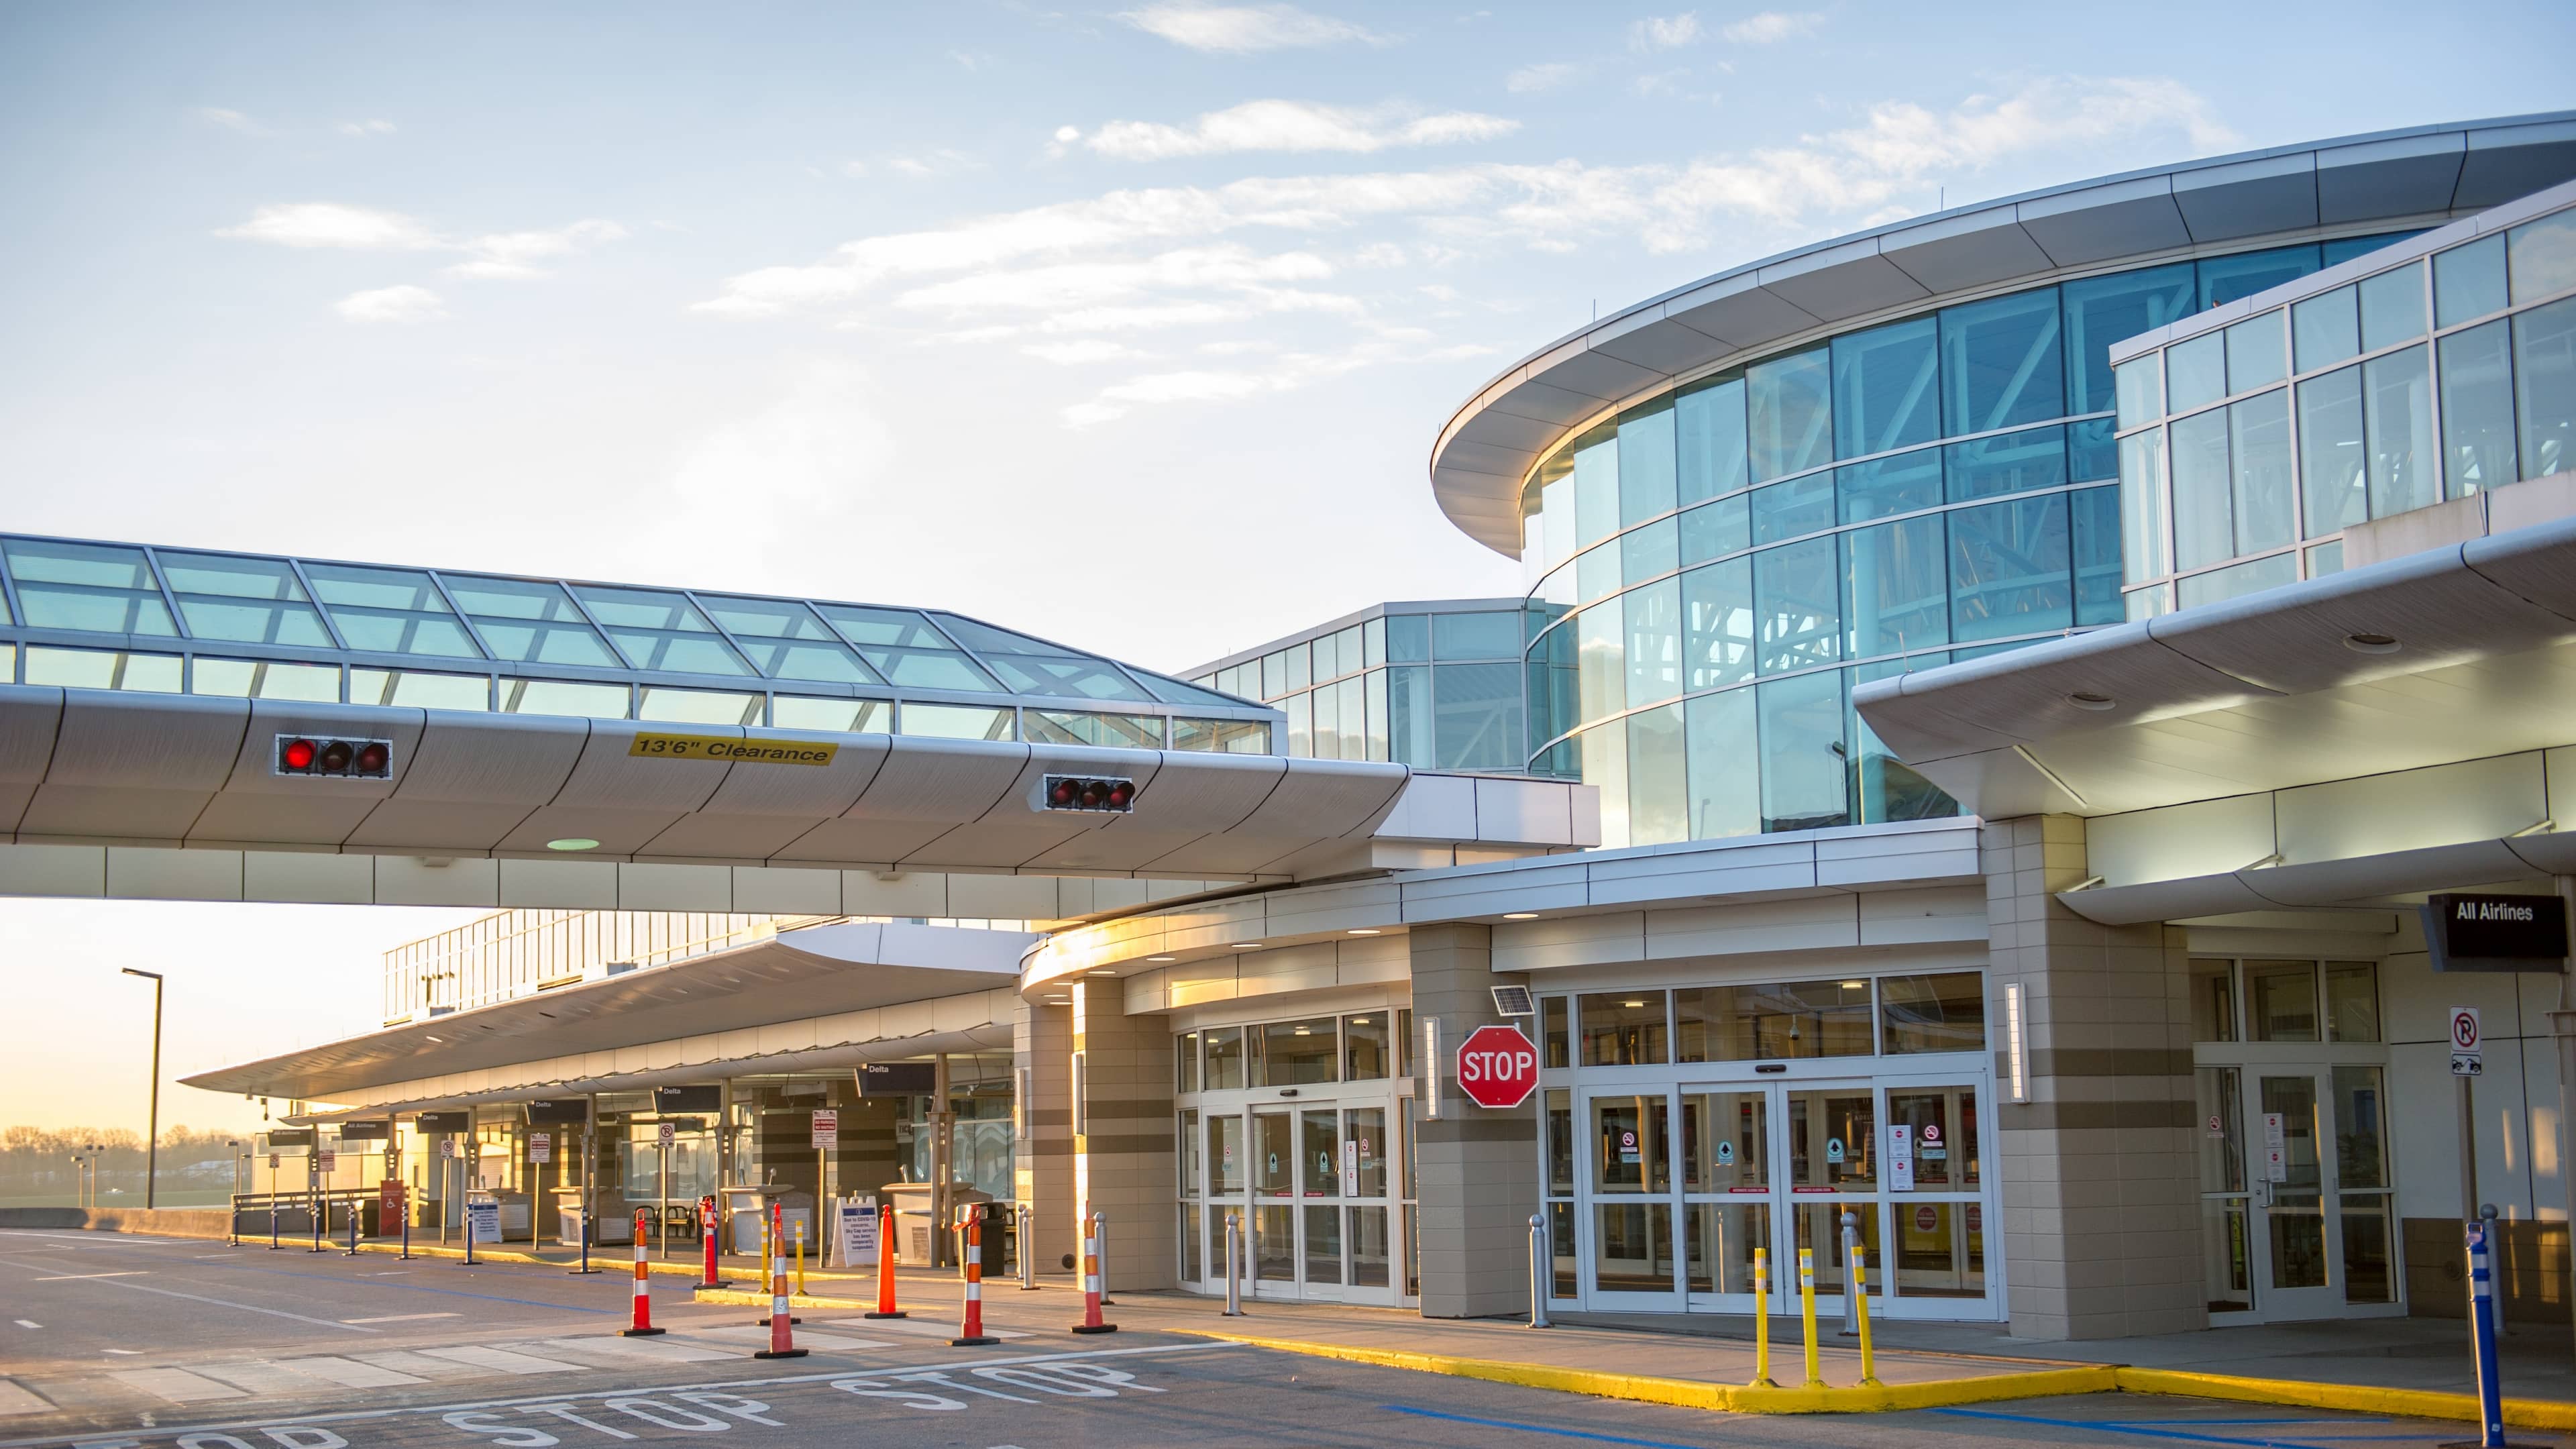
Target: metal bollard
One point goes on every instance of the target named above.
(321, 1221)
(800, 1259)
(1233, 1265)
(1028, 1251)
(1100, 1233)
(1762, 1320)
(2482, 1339)
(405, 1215)
(354, 1205)
(272, 1213)
(1851, 1255)
(1538, 1271)
(1860, 1295)
(1807, 1313)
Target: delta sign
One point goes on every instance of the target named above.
(1497, 1067)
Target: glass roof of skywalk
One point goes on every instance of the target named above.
(90, 615)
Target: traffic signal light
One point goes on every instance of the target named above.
(1108, 795)
(338, 758)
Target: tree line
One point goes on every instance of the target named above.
(36, 1161)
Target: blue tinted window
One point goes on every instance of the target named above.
(1789, 414)
(1717, 608)
(2000, 364)
(2259, 436)
(2243, 579)
(1646, 462)
(1657, 785)
(1804, 781)
(1708, 429)
(2091, 452)
(1479, 707)
(2468, 281)
(2095, 517)
(1889, 789)
(1719, 529)
(1895, 595)
(1408, 717)
(2224, 279)
(2541, 256)
(2347, 248)
(1475, 636)
(2204, 517)
(2012, 463)
(2330, 455)
(2104, 310)
(1650, 552)
(1889, 486)
(100, 588)
(1725, 797)
(1408, 638)
(2254, 353)
(2195, 372)
(2477, 411)
(2392, 307)
(1787, 510)
(1797, 606)
(1555, 701)
(1886, 388)
(2544, 387)
(1596, 484)
(1653, 616)
(2008, 569)
(2399, 414)
(2325, 329)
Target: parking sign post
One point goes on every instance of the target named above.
(2468, 1063)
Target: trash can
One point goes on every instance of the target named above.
(993, 1236)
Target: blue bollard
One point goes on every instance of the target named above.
(2482, 1336)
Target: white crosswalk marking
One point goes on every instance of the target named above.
(501, 1360)
(15, 1399)
(177, 1385)
(420, 1365)
(348, 1373)
(914, 1327)
(257, 1376)
(628, 1352)
(754, 1334)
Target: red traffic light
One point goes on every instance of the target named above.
(350, 759)
(1104, 794)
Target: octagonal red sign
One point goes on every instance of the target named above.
(1497, 1067)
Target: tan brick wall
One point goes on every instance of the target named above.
(1124, 1163)
(1479, 1167)
(1042, 1152)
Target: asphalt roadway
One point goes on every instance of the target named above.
(118, 1342)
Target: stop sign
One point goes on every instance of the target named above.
(1497, 1066)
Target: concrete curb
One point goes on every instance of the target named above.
(751, 1298)
(621, 1267)
(2357, 1398)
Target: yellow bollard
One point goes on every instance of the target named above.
(800, 1258)
(1762, 1320)
(1860, 1288)
(1807, 1312)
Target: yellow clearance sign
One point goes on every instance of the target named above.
(741, 752)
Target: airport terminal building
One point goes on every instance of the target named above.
(1991, 699)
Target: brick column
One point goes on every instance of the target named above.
(1478, 1172)
(1042, 1153)
(2101, 1184)
(1124, 1164)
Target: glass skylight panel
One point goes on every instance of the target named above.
(1173, 691)
(905, 649)
(92, 586)
(661, 631)
(1033, 666)
(530, 622)
(390, 611)
(246, 600)
(985, 639)
(786, 641)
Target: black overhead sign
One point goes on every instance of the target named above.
(444, 1122)
(688, 1099)
(366, 1131)
(894, 1079)
(2495, 933)
(559, 1112)
(290, 1137)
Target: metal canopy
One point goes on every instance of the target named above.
(1490, 445)
(2263, 692)
(815, 972)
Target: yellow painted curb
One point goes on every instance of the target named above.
(622, 1267)
(2357, 1398)
(1690, 1394)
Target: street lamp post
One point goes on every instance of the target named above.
(152, 1144)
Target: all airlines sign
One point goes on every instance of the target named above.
(1497, 1067)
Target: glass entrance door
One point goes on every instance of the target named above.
(2297, 1216)
(1629, 1175)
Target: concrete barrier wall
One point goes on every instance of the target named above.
(160, 1222)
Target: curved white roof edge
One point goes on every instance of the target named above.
(2436, 172)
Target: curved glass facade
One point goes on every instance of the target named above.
(2247, 449)
(1717, 566)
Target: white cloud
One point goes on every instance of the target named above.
(1659, 83)
(1670, 32)
(818, 445)
(1243, 29)
(1546, 77)
(1276, 125)
(307, 224)
(1771, 27)
(329, 224)
(941, 162)
(365, 128)
(392, 304)
(1087, 350)
(230, 120)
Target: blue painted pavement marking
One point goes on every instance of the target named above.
(1533, 1428)
(2151, 1429)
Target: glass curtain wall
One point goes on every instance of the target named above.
(2247, 450)
(1431, 690)
(1717, 567)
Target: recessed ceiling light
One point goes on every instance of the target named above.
(1360, 931)
(1162, 958)
(572, 842)
(1247, 945)
(1099, 973)
(1632, 1005)
(2371, 644)
(2083, 700)
(1855, 985)
(1520, 915)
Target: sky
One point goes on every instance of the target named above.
(1130, 325)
